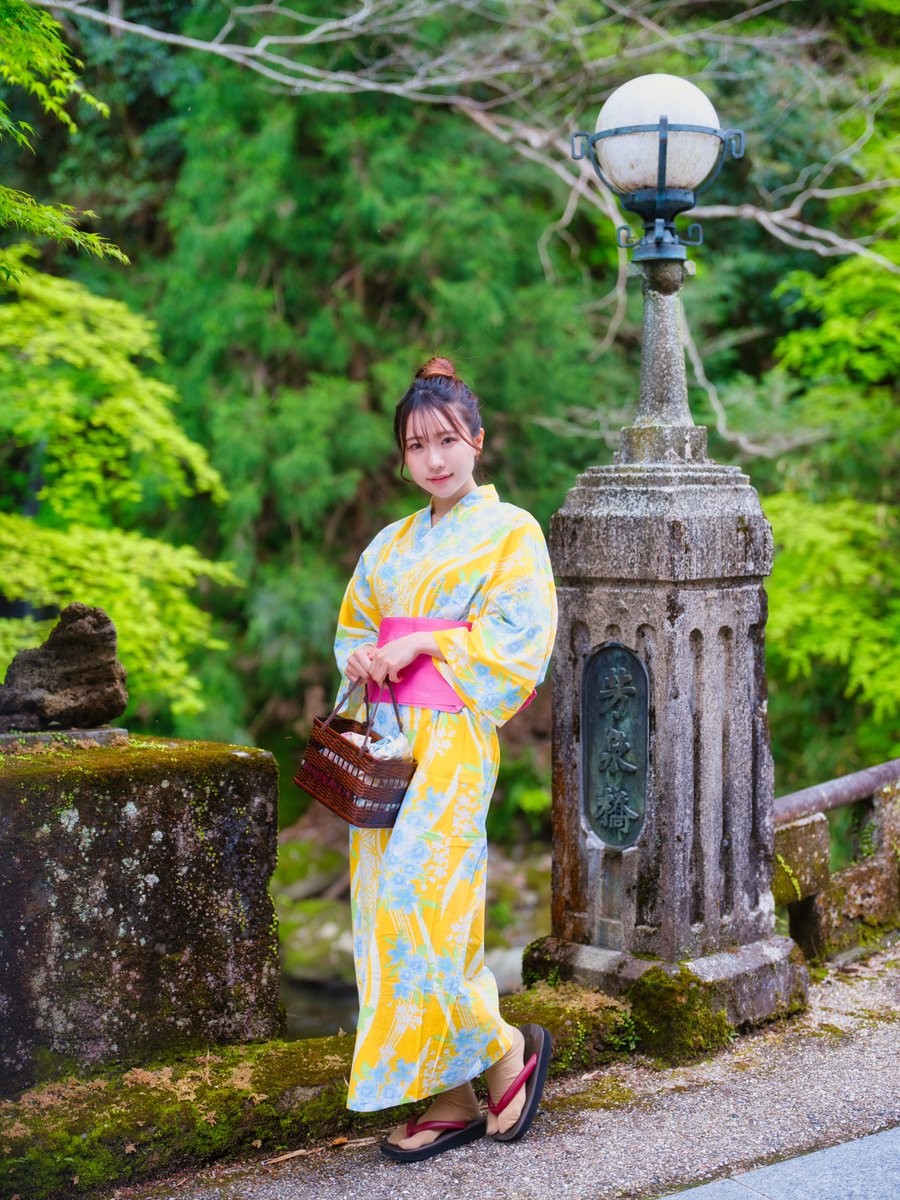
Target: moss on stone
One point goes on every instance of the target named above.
(588, 1028)
(120, 1126)
(151, 858)
(545, 959)
(137, 757)
(674, 1017)
(183, 1110)
(603, 1094)
(826, 1029)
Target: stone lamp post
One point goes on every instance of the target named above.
(663, 827)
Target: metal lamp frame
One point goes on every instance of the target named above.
(659, 206)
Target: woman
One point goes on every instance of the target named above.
(475, 575)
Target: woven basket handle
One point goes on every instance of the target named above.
(370, 717)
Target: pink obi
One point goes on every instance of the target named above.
(421, 684)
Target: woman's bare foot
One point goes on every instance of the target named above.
(459, 1104)
(501, 1075)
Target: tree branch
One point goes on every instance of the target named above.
(796, 233)
(772, 448)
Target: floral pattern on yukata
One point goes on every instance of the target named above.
(429, 1013)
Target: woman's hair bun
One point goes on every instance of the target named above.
(436, 367)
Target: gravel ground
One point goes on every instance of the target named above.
(826, 1077)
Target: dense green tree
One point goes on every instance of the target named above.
(835, 594)
(89, 453)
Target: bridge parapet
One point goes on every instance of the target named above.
(831, 913)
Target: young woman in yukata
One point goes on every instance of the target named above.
(475, 573)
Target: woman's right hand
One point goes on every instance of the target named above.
(358, 663)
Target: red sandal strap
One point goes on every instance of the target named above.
(412, 1128)
(507, 1096)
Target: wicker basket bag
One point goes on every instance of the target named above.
(366, 791)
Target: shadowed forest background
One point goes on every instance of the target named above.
(201, 442)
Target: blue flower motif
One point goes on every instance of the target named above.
(400, 950)
(379, 1076)
(411, 979)
(366, 1094)
(401, 895)
(404, 1072)
(470, 1044)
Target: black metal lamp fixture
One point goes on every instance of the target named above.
(658, 145)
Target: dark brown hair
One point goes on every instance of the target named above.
(437, 389)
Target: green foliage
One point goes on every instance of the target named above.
(33, 57)
(90, 442)
(145, 586)
(318, 255)
(835, 591)
(522, 800)
(834, 596)
(73, 387)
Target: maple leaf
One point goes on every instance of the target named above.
(130, 1148)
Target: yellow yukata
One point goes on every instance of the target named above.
(429, 1015)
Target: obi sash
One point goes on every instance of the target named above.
(421, 683)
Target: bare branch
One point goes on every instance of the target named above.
(853, 189)
(820, 241)
(772, 448)
(582, 422)
(514, 59)
(557, 226)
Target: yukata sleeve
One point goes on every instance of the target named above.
(495, 666)
(358, 619)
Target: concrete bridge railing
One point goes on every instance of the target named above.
(829, 913)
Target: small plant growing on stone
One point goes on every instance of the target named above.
(625, 1036)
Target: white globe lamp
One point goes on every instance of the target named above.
(657, 145)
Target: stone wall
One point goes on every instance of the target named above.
(830, 914)
(134, 911)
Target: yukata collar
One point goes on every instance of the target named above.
(486, 492)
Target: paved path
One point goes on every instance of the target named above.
(867, 1169)
(825, 1079)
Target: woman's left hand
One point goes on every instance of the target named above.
(389, 660)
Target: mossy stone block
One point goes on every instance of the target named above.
(801, 864)
(119, 1127)
(65, 1138)
(861, 904)
(134, 909)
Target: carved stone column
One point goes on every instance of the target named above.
(663, 827)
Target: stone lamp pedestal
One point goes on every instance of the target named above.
(663, 828)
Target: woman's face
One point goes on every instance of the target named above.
(438, 459)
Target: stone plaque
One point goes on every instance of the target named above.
(615, 707)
